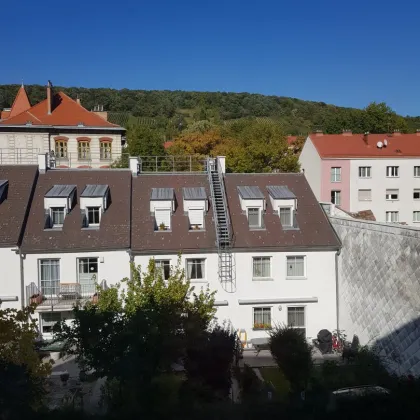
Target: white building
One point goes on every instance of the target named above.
(358, 172)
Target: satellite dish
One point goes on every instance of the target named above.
(379, 144)
(385, 142)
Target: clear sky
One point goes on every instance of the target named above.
(345, 52)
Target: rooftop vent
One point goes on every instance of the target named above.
(80, 124)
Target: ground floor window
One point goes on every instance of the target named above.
(49, 319)
(296, 318)
(164, 266)
(196, 269)
(262, 318)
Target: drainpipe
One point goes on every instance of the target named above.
(22, 278)
(337, 295)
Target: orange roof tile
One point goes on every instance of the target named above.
(20, 104)
(354, 145)
(65, 112)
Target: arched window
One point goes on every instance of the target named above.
(83, 148)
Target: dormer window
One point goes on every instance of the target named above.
(253, 205)
(162, 205)
(94, 201)
(284, 203)
(58, 202)
(4, 186)
(195, 206)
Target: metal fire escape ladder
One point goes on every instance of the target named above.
(223, 227)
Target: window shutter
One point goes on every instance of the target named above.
(365, 195)
(84, 218)
(47, 219)
(196, 217)
(163, 216)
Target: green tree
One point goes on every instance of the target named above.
(380, 118)
(143, 140)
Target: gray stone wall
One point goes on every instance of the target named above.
(379, 288)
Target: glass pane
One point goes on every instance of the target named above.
(286, 216)
(253, 217)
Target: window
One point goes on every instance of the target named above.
(365, 171)
(57, 216)
(254, 217)
(365, 195)
(336, 197)
(48, 320)
(165, 267)
(49, 277)
(391, 194)
(262, 318)
(106, 149)
(61, 149)
(83, 149)
(196, 269)
(88, 275)
(416, 216)
(392, 216)
(416, 194)
(94, 215)
(335, 174)
(285, 216)
(392, 171)
(296, 266)
(417, 171)
(296, 318)
(162, 219)
(196, 218)
(261, 267)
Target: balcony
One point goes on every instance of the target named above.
(62, 297)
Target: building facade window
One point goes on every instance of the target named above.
(296, 318)
(162, 219)
(83, 150)
(57, 216)
(88, 275)
(262, 318)
(365, 195)
(416, 216)
(254, 217)
(416, 194)
(336, 174)
(391, 195)
(106, 150)
(392, 171)
(285, 216)
(49, 277)
(48, 320)
(196, 269)
(336, 197)
(163, 267)
(261, 267)
(365, 171)
(94, 215)
(296, 266)
(392, 216)
(61, 149)
(417, 171)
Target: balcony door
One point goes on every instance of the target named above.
(88, 275)
(49, 277)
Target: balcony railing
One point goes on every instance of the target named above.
(61, 295)
(19, 156)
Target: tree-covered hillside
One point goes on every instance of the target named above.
(174, 111)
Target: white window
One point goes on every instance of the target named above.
(285, 216)
(57, 216)
(416, 216)
(88, 275)
(392, 171)
(296, 266)
(391, 195)
(296, 318)
(196, 218)
(49, 277)
(164, 266)
(254, 217)
(417, 171)
(94, 215)
(261, 267)
(196, 269)
(48, 320)
(416, 194)
(392, 216)
(262, 318)
(365, 171)
(335, 174)
(162, 219)
(365, 195)
(336, 197)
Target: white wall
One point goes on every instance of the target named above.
(311, 163)
(379, 183)
(10, 278)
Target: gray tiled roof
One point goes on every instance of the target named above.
(60, 191)
(194, 193)
(94, 190)
(280, 192)
(250, 192)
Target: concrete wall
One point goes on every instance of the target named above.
(379, 288)
(10, 278)
(310, 162)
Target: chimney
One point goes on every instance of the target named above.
(99, 111)
(366, 137)
(418, 132)
(49, 97)
(78, 101)
(397, 133)
(134, 165)
(221, 162)
(347, 132)
(319, 133)
(42, 162)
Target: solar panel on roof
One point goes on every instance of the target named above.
(280, 192)
(60, 191)
(162, 194)
(194, 193)
(95, 191)
(250, 193)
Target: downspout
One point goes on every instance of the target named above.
(337, 294)
(22, 277)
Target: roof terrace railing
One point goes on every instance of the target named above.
(172, 164)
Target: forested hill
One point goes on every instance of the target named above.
(179, 109)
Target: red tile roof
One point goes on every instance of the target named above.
(20, 104)
(65, 112)
(355, 146)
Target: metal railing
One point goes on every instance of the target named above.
(19, 156)
(172, 164)
(85, 160)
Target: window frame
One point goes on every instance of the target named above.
(203, 267)
(418, 213)
(388, 196)
(83, 286)
(304, 318)
(61, 144)
(156, 225)
(391, 169)
(262, 326)
(365, 169)
(390, 212)
(49, 324)
(416, 169)
(259, 226)
(53, 211)
(92, 208)
(364, 189)
(161, 264)
(290, 215)
(83, 145)
(336, 192)
(304, 268)
(259, 278)
(335, 174)
(57, 262)
(416, 191)
(105, 149)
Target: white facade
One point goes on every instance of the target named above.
(10, 279)
(311, 165)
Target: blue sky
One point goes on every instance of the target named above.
(342, 52)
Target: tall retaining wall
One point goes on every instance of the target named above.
(379, 288)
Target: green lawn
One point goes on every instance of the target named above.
(275, 376)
